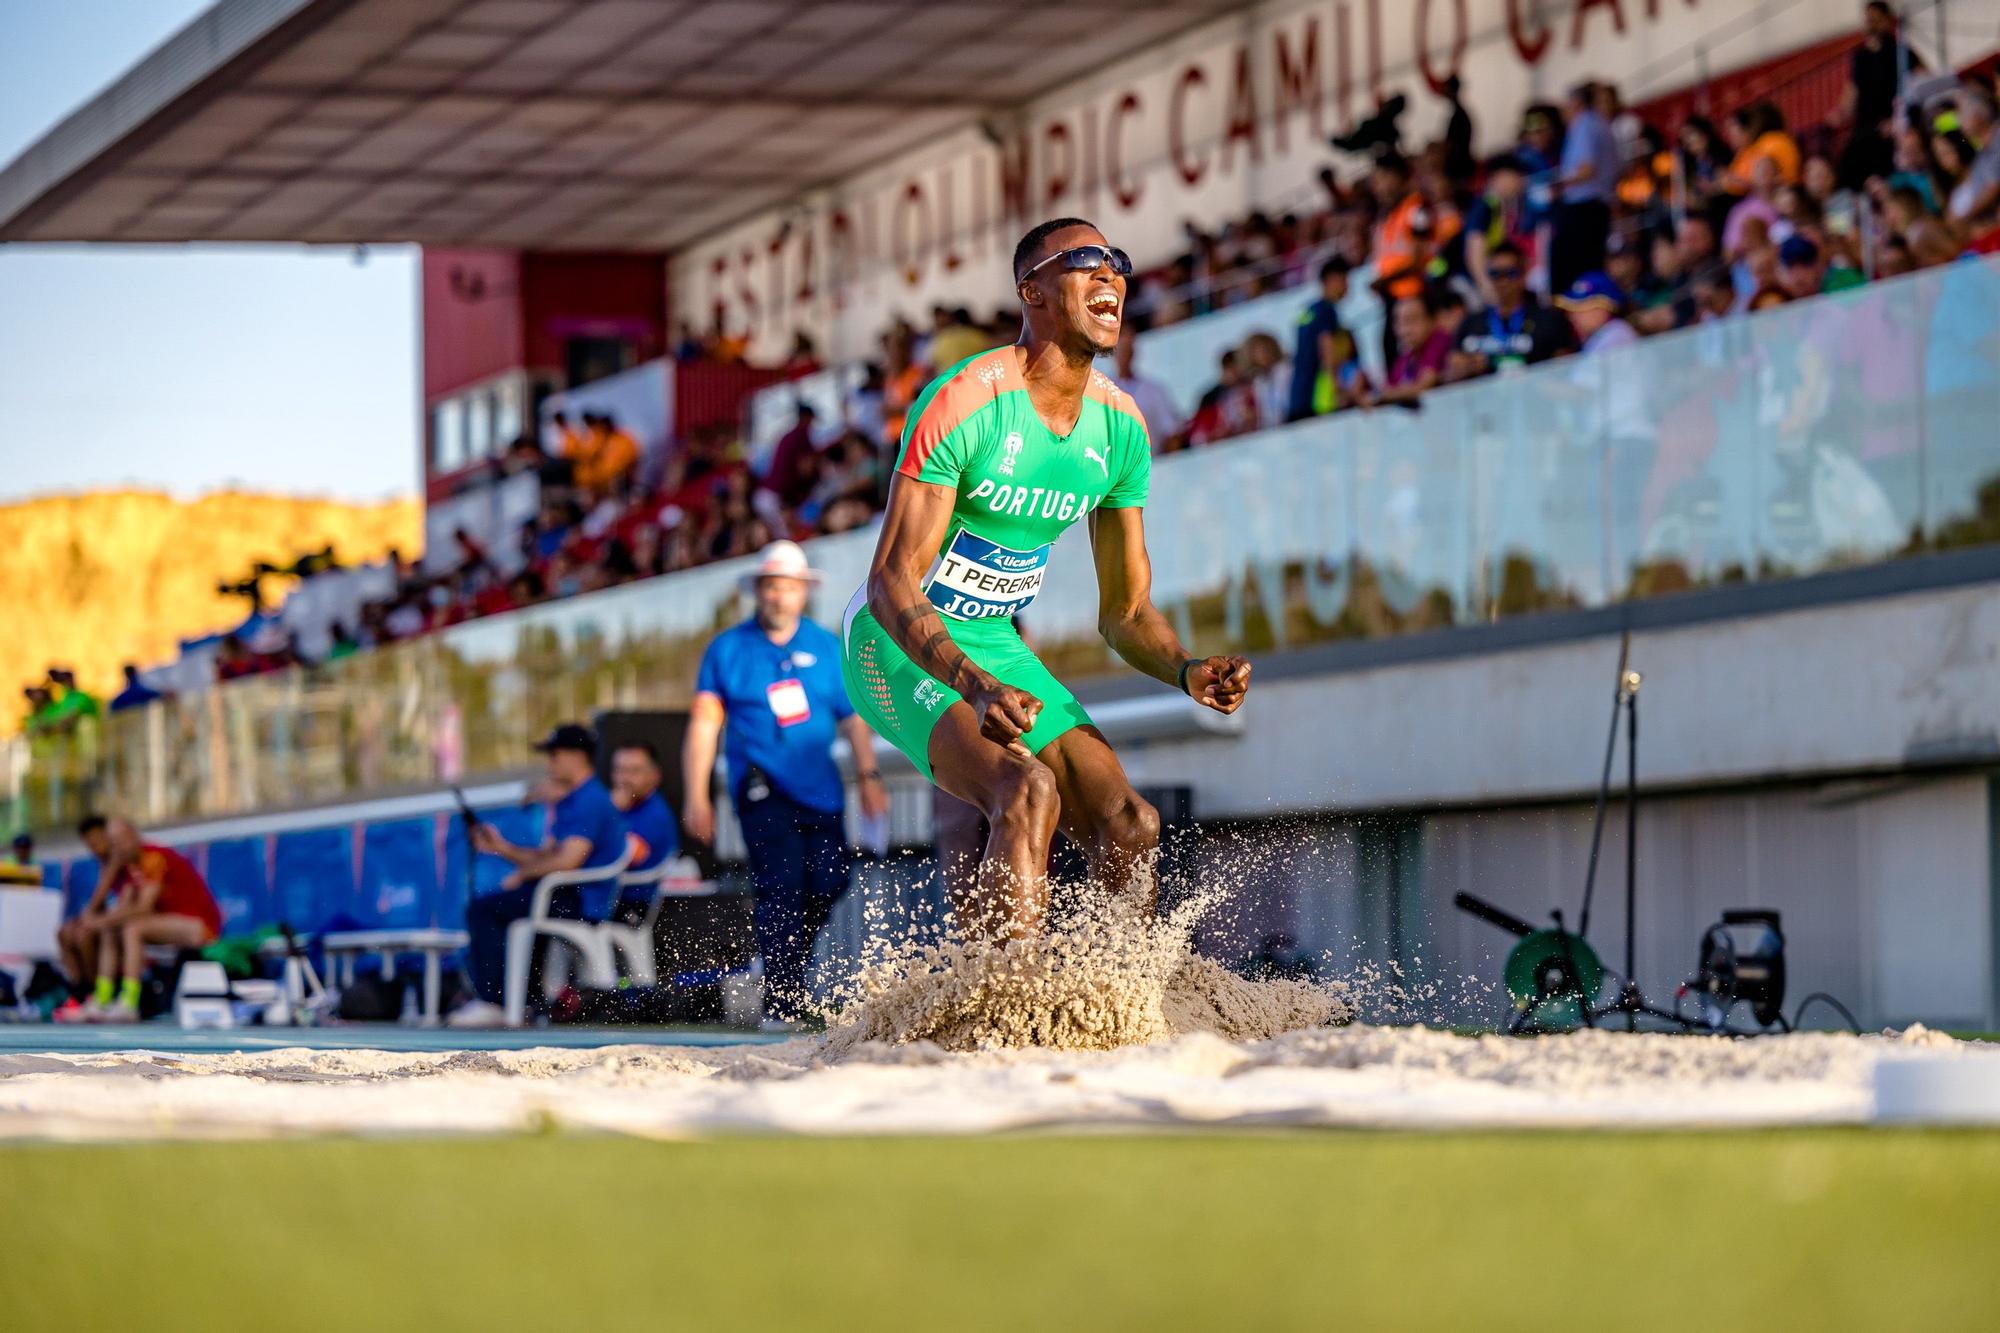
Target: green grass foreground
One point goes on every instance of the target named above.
(1794, 1229)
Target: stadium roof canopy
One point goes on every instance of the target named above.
(565, 124)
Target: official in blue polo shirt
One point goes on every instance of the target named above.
(635, 789)
(770, 689)
(585, 831)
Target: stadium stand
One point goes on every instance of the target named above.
(1699, 233)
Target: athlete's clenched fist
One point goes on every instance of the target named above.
(1217, 682)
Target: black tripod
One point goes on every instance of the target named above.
(1630, 1002)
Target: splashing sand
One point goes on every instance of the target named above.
(1106, 979)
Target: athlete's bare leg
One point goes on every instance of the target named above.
(958, 839)
(78, 944)
(137, 932)
(1016, 792)
(1118, 829)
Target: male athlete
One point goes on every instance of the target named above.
(1001, 453)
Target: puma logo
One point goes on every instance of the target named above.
(1097, 458)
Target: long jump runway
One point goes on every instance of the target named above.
(157, 1081)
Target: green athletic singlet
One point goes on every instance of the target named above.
(1019, 487)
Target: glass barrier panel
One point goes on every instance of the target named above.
(1846, 430)
(1958, 315)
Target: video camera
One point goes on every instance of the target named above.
(1378, 135)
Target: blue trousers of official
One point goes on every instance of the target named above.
(486, 920)
(798, 863)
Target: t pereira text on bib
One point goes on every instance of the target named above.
(975, 580)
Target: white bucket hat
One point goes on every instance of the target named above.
(782, 560)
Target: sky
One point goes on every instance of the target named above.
(272, 368)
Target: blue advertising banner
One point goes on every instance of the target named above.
(399, 874)
(239, 877)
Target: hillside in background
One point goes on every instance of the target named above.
(95, 580)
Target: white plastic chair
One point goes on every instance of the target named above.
(592, 947)
(632, 944)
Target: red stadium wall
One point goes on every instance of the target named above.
(566, 296)
(472, 326)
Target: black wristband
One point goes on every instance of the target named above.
(1181, 678)
(872, 775)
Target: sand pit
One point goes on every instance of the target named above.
(1351, 1076)
(1113, 1022)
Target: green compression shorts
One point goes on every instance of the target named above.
(903, 702)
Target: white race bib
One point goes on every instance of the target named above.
(974, 579)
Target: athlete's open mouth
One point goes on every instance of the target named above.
(1102, 306)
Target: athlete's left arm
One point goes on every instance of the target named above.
(1134, 627)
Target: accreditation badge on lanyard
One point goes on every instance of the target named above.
(788, 702)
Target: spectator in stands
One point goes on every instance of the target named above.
(1424, 350)
(1315, 357)
(1757, 133)
(1270, 377)
(955, 338)
(1229, 408)
(635, 790)
(24, 849)
(865, 408)
(585, 832)
(1702, 160)
(1459, 164)
(1867, 105)
(1155, 404)
(1623, 263)
(1714, 294)
(1661, 299)
(1499, 216)
(1626, 128)
(1586, 183)
(70, 703)
(849, 475)
(770, 690)
(608, 457)
(146, 894)
(1839, 208)
(1974, 198)
(804, 356)
(1801, 271)
(794, 465)
(1596, 309)
(1418, 222)
(136, 694)
(902, 380)
(36, 720)
(1753, 221)
(341, 641)
(523, 455)
(1515, 330)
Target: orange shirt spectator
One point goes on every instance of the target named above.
(1407, 239)
(606, 456)
(1780, 147)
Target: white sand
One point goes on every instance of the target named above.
(1357, 1076)
(1112, 1022)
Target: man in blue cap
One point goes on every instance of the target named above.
(770, 689)
(1596, 309)
(585, 831)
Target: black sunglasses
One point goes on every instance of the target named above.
(1084, 258)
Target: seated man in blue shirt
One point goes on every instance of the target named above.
(635, 790)
(585, 832)
(771, 688)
